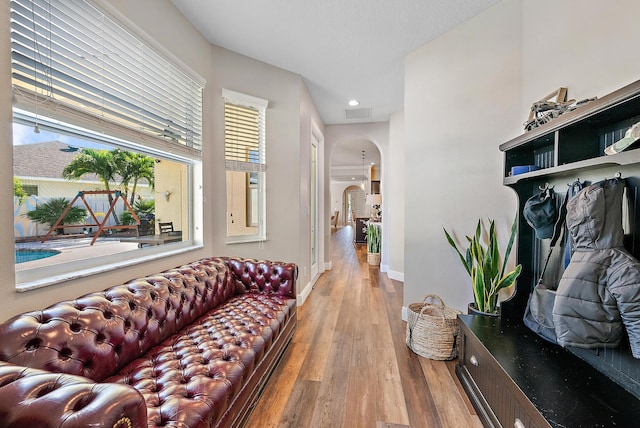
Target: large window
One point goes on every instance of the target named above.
(245, 160)
(107, 138)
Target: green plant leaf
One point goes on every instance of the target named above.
(466, 261)
(509, 279)
(480, 290)
(374, 234)
(512, 238)
(483, 262)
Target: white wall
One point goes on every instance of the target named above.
(7, 278)
(394, 190)
(308, 119)
(593, 48)
(461, 93)
(288, 125)
(471, 90)
(249, 76)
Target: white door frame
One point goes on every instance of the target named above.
(316, 192)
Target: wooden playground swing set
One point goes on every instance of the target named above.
(100, 224)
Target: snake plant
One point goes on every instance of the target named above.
(374, 236)
(486, 266)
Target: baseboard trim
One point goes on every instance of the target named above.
(304, 293)
(398, 276)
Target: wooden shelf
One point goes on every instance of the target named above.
(575, 141)
(598, 106)
(621, 159)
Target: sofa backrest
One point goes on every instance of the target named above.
(98, 333)
(264, 276)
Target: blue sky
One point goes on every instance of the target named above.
(23, 134)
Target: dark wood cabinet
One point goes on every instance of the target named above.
(360, 235)
(513, 377)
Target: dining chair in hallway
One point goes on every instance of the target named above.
(334, 219)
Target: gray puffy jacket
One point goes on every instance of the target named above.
(599, 291)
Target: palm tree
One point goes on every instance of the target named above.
(143, 209)
(98, 162)
(133, 167)
(110, 165)
(50, 211)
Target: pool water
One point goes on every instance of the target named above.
(31, 255)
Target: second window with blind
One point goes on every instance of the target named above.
(245, 163)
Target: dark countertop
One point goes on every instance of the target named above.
(565, 389)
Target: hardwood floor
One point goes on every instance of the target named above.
(348, 364)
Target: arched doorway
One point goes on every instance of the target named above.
(353, 199)
(355, 173)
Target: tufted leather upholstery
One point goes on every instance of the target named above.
(24, 390)
(192, 345)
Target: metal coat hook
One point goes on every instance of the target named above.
(546, 187)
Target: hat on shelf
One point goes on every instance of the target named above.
(631, 136)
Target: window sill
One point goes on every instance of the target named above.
(244, 241)
(58, 279)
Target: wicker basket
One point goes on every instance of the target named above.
(432, 329)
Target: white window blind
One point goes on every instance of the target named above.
(244, 132)
(70, 60)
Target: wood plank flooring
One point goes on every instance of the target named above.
(348, 364)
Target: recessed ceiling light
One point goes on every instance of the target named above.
(354, 103)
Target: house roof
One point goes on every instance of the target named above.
(44, 160)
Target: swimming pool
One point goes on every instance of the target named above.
(30, 255)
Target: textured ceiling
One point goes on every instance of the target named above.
(343, 49)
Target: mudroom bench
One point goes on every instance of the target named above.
(515, 379)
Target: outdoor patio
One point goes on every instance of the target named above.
(72, 250)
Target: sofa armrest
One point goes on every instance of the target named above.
(264, 276)
(38, 398)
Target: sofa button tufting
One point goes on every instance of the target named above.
(33, 344)
(65, 354)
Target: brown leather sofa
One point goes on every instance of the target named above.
(188, 347)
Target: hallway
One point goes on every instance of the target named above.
(348, 364)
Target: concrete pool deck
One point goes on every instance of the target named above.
(72, 250)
